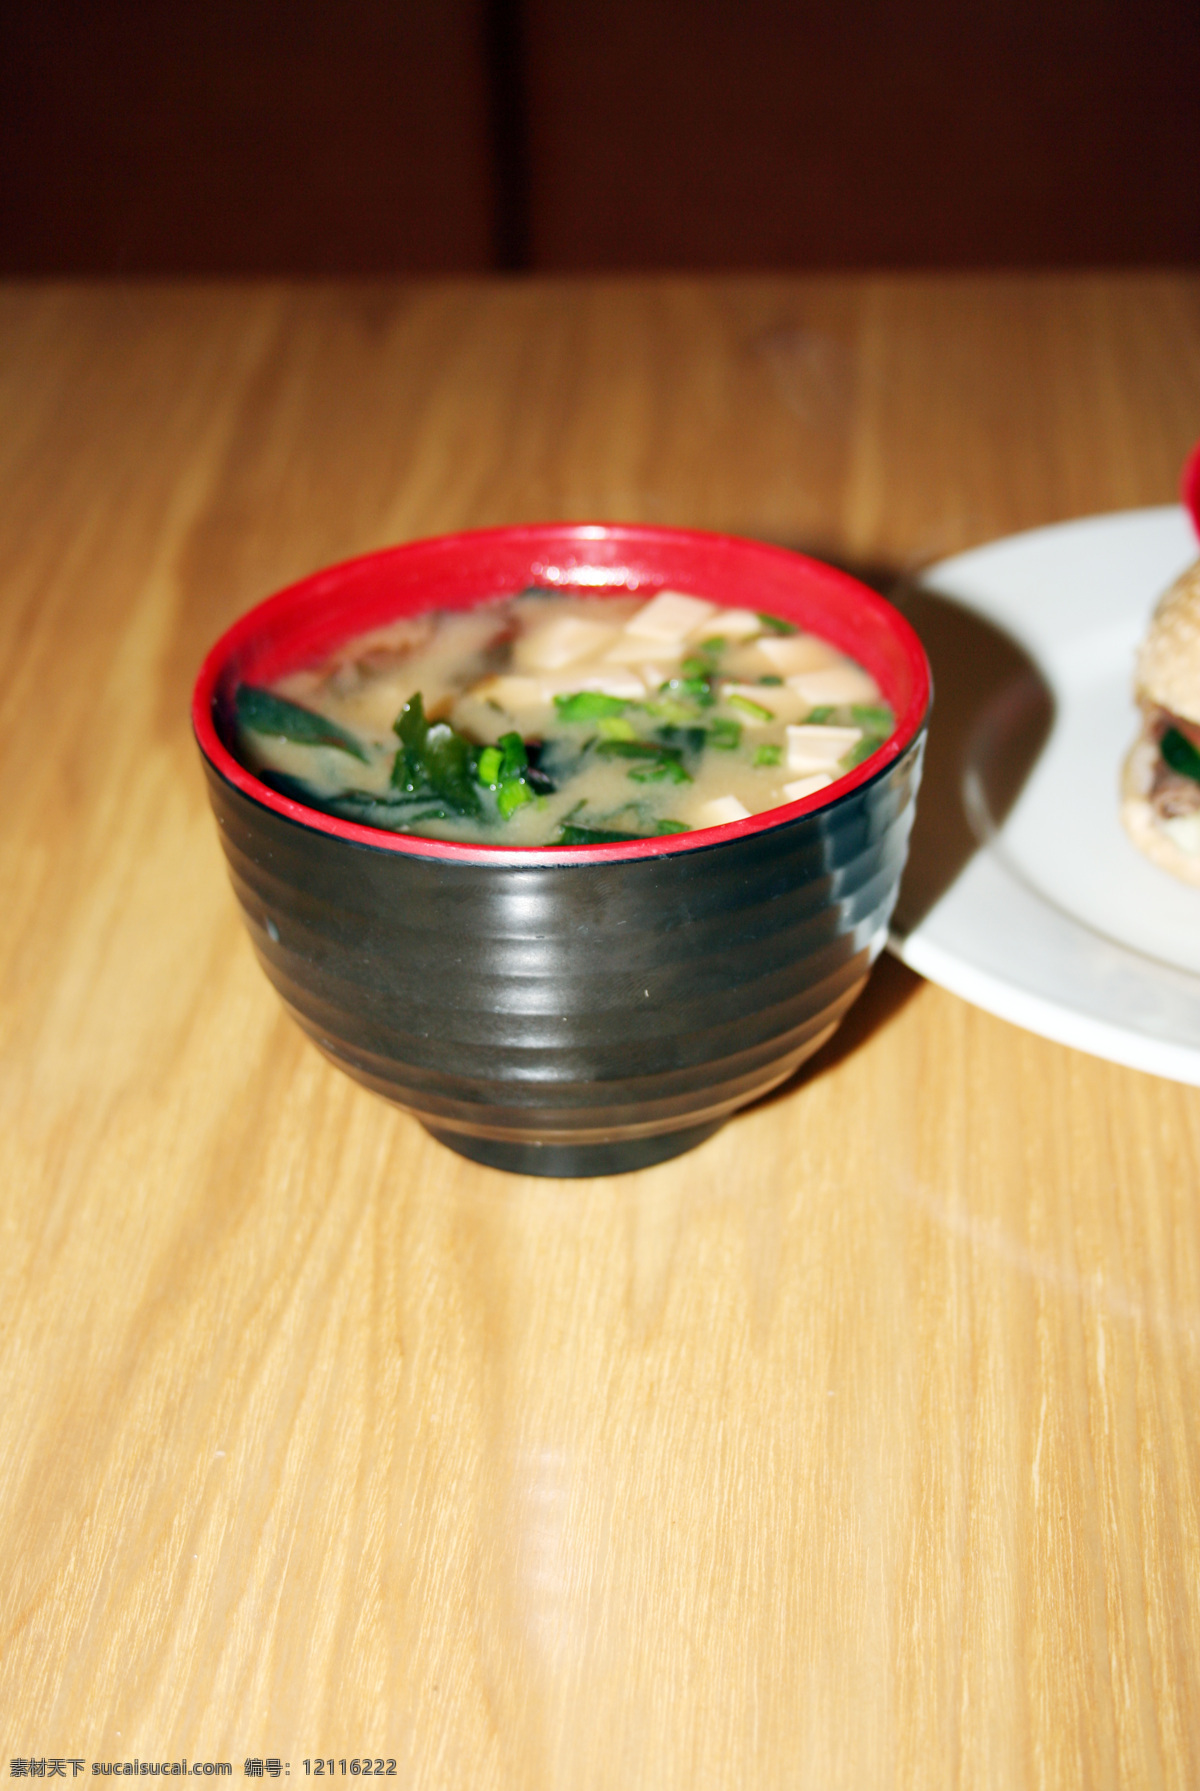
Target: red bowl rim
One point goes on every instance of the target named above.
(307, 619)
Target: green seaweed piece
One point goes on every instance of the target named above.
(603, 830)
(393, 817)
(665, 771)
(635, 749)
(262, 712)
(655, 763)
(450, 766)
(690, 742)
(569, 834)
(395, 813)
(435, 760)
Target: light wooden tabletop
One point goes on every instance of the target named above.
(859, 1447)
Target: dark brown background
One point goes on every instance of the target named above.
(287, 136)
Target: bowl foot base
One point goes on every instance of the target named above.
(616, 1158)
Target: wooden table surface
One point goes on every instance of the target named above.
(857, 1448)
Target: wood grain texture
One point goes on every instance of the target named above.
(857, 1448)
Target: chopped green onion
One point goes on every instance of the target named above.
(589, 705)
(872, 718)
(635, 749)
(504, 768)
(861, 750)
(768, 755)
(490, 760)
(819, 716)
(725, 734)
(512, 796)
(698, 689)
(616, 727)
(515, 757)
(770, 678)
(776, 624)
(751, 708)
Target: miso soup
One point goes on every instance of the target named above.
(558, 718)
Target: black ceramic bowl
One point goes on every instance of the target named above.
(569, 1010)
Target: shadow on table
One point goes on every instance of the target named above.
(992, 713)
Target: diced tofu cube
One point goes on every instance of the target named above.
(635, 649)
(839, 684)
(718, 810)
(733, 625)
(789, 653)
(564, 641)
(781, 703)
(670, 617)
(815, 748)
(516, 695)
(805, 786)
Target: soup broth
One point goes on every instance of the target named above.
(554, 718)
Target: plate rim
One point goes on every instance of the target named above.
(1050, 1015)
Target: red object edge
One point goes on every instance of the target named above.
(1189, 486)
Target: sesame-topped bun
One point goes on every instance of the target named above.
(1160, 784)
(1168, 666)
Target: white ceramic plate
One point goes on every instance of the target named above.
(1052, 919)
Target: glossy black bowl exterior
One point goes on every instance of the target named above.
(581, 1010)
(574, 1018)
